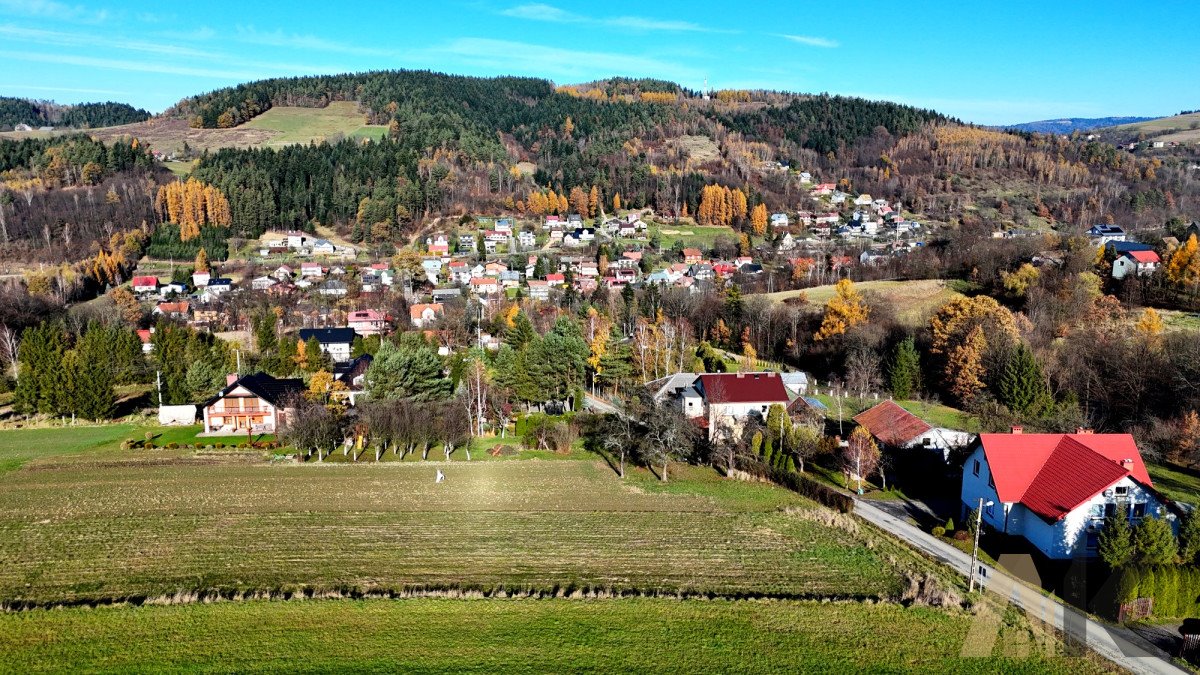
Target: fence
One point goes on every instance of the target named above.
(1135, 610)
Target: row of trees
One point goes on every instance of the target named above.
(61, 373)
(192, 205)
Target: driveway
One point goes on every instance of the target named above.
(1117, 644)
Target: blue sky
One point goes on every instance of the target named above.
(985, 62)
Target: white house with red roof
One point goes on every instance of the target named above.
(1055, 489)
(367, 322)
(727, 400)
(896, 427)
(1138, 263)
(425, 314)
(144, 284)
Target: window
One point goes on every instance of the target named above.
(1093, 541)
(1122, 490)
(1109, 509)
(991, 483)
(926, 441)
(975, 469)
(991, 508)
(1139, 510)
(1097, 511)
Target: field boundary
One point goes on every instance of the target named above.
(434, 591)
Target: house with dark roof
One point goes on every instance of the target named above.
(334, 341)
(895, 427)
(724, 401)
(1054, 490)
(254, 404)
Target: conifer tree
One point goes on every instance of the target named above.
(1154, 542)
(1022, 385)
(92, 394)
(904, 377)
(1115, 542)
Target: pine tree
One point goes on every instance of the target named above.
(201, 264)
(1115, 541)
(1189, 539)
(93, 396)
(522, 332)
(905, 374)
(1154, 543)
(1022, 386)
(758, 219)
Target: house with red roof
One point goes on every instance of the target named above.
(367, 322)
(692, 256)
(1138, 263)
(424, 314)
(895, 427)
(1055, 489)
(144, 284)
(726, 400)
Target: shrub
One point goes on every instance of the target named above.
(172, 446)
(949, 524)
(803, 485)
(939, 531)
(962, 535)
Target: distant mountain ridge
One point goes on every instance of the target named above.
(15, 111)
(1068, 124)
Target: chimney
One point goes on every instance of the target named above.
(231, 378)
(1085, 430)
(1127, 463)
(1017, 429)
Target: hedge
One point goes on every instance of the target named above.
(801, 484)
(1175, 589)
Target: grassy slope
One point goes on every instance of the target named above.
(913, 301)
(302, 125)
(1177, 484)
(512, 635)
(156, 522)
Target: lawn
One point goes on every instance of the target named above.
(156, 522)
(937, 414)
(22, 445)
(303, 125)
(690, 235)
(1177, 483)
(487, 636)
(913, 301)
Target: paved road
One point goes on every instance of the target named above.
(1119, 645)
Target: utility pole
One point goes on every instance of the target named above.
(975, 548)
(158, 383)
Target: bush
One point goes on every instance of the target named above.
(803, 485)
(939, 531)
(962, 535)
(949, 524)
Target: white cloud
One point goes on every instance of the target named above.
(810, 40)
(505, 56)
(277, 38)
(261, 70)
(49, 9)
(67, 90)
(60, 39)
(549, 13)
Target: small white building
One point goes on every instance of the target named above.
(1137, 263)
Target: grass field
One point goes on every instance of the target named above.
(631, 635)
(937, 414)
(699, 236)
(21, 446)
(913, 301)
(1178, 484)
(133, 523)
(1181, 127)
(303, 125)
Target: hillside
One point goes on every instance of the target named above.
(1177, 128)
(15, 111)
(1070, 124)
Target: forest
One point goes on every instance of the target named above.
(14, 111)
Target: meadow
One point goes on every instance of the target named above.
(146, 523)
(549, 635)
(303, 125)
(912, 301)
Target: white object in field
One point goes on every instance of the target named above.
(173, 415)
(440, 476)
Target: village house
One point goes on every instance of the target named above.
(146, 337)
(1104, 233)
(255, 403)
(216, 288)
(311, 270)
(433, 269)
(485, 287)
(144, 284)
(556, 279)
(322, 247)
(172, 310)
(895, 427)
(335, 342)
(724, 401)
(1054, 490)
(438, 245)
(262, 283)
(823, 189)
(466, 243)
(200, 279)
(780, 220)
(283, 273)
(539, 290)
(442, 295)
(692, 256)
(367, 322)
(1138, 263)
(526, 239)
(424, 315)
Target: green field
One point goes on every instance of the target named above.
(913, 301)
(145, 523)
(304, 125)
(19, 447)
(487, 636)
(699, 236)
(1184, 128)
(937, 414)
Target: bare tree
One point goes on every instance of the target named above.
(618, 434)
(669, 436)
(863, 372)
(311, 426)
(10, 349)
(860, 456)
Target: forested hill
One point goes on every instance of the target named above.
(465, 113)
(1067, 125)
(14, 111)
